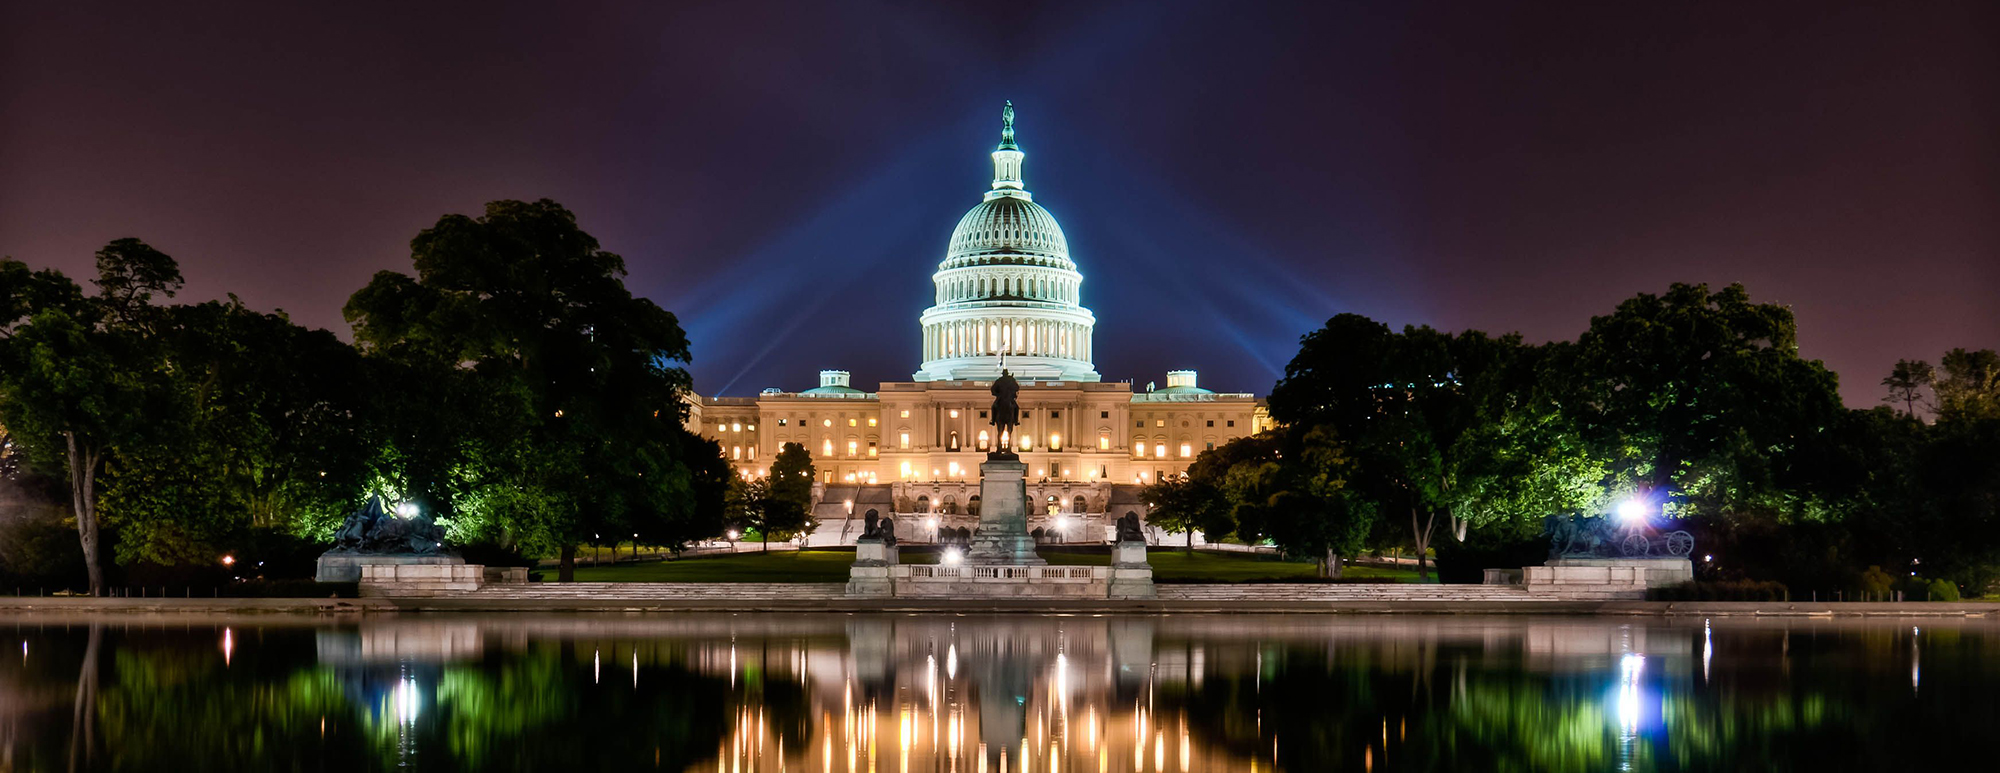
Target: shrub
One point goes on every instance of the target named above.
(1742, 590)
(1943, 590)
(1877, 583)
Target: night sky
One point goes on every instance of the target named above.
(784, 176)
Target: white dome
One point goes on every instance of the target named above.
(1008, 229)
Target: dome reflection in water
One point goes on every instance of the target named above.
(991, 693)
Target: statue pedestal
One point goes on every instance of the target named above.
(873, 562)
(1605, 578)
(1131, 574)
(346, 567)
(1003, 517)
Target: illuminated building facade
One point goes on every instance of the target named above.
(1007, 296)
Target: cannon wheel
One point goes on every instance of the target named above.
(1680, 543)
(1635, 545)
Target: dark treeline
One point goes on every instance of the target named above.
(515, 390)
(510, 386)
(1694, 406)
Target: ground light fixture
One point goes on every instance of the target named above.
(1632, 511)
(407, 509)
(952, 556)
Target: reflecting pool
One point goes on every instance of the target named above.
(839, 692)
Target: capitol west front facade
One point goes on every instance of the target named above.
(1007, 295)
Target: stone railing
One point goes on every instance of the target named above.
(435, 579)
(1001, 573)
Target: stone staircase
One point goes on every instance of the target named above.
(1341, 592)
(662, 591)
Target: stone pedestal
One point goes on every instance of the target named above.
(346, 567)
(1599, 578)
(1003, 538)
(1131, 574)
(872, 566)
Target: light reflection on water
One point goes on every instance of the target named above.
(849, 693)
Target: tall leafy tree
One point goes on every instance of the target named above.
(1699, 401)
(1969, 386)
(81, 376)
(525, 299)
(785, 507)
(1907, 382)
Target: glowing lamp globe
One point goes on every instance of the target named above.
(1631, 511)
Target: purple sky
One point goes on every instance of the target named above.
(784, 176)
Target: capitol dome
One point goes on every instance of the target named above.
(1008, 294)
(1008, 229)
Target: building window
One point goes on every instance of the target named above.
(1183, 423)
(1159, 450)
(752, 428)
(1140, 423)
(1159, 422)
(982, 414)
(871, 422)
(951, 444)
(1103, 442)
(1232, 422)
(1211, 446)
(1211, 422)
(753, 453)
(850, 422)
(906, 469)
(872, 452)
(826, 422)
(854, 447)
(1055, 442)
(736, 453)
(1025, 415)
(903, 441)
(781, 422)
(954, 413)
(1104, 414)
(737, 427)
(1027, 443)
(1187, 450)
(984, 438)
(1055, 414)
(826, 448)
(906, 414)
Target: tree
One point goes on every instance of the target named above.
(80, 376)
(525, 299)
(785, 505)
(1907, 382)
(1407, 404)
(1699, 402)
(1969, 388)
(1182, 504)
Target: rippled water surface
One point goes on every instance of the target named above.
(837, 692)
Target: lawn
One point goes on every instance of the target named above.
(831, 566)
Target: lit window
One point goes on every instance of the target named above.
(984, 439)
(872, 452)
(826, 448)
(954, 413)
(953, 467)
(903, 441)
(736, 452)
(1187, 450)
(781, 422)
(826, 422)
(871, 422)
(1159, 422)
(1026, 442)
(850, 422)
(753, 453)
(721, 428)
(1159, 450)
(737, 427)
(854, 447)
(906, 469)
(1055, 442)
(1103, 442)
(906, 414)
(752, 428)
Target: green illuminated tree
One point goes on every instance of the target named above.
(526, 300)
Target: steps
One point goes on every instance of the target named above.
(1385, 591)
(661, 591)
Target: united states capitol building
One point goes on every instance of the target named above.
(1008, 295)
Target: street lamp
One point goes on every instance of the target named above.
(952, 556)
(1632, 511)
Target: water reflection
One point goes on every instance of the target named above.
(851, 693)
